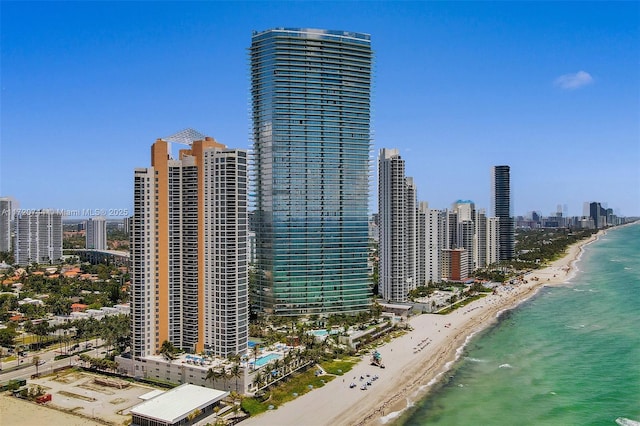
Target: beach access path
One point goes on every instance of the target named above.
(413, 361)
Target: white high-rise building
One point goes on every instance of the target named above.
(397, 217)
(431, 239)
(96, 233)
(411, 234)
(189, 249)
(480, 240)
(38, 237)
(493, 240)
(6, 216)
(466, 231)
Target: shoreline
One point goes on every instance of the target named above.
(417, 360)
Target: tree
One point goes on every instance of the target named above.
(7, 335)
(36, 361)
(258, 380)
(224, 376)
(256, 352)
(41, 330)
(168, 350)
(276, 366)
(211, 375)
(236, 372)
(376, 310)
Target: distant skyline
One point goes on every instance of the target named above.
(551, 89)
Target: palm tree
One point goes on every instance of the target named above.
(214, 375)
(258, 380)
(236, 372)
(168, 350)
(256, 352)
(36, 361)
(211, 375)
(41, 330)
(276, 366)
(286, 361)
(224, 376)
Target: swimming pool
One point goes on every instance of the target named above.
(266, 359)
(318, 333)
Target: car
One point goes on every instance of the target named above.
(41, 362)
(363, 387)
(352, 385)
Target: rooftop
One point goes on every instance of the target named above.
(177, 403)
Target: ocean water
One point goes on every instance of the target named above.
(568, 356)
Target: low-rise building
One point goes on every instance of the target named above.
(184, 405)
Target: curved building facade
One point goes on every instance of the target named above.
(310, 92)
(502, 209)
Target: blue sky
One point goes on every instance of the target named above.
(550, 88)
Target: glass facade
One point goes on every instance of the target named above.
(311, 139)
(501, 189)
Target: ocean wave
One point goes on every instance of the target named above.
(505, 366)
(475, 359)
(391, 416)
(572, 273)
(623, 421)
(395, 414)
(575, 327)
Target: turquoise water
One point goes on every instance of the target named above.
(569, 356)
(266, 359)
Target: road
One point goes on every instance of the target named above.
(46, 367)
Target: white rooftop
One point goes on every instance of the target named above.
(395, 306)
(149, 395)
(177, 403)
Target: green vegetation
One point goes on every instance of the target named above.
(284, 392)
(168, 351)
(63, 291)
(535, 248)
(460, 304)
(7, 335)
(7, 257)
(425, 291)
(99, 363)
(339, 366)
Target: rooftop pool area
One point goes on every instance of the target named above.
(265, 359)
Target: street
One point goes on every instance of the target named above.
(45, 368)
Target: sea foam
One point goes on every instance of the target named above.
(623, 421)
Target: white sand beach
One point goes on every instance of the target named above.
(413, 361)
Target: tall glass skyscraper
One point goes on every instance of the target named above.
(502, 209)
(311, 100)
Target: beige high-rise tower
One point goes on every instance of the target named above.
(189, 249)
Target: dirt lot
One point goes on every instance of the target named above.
(75, 394)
